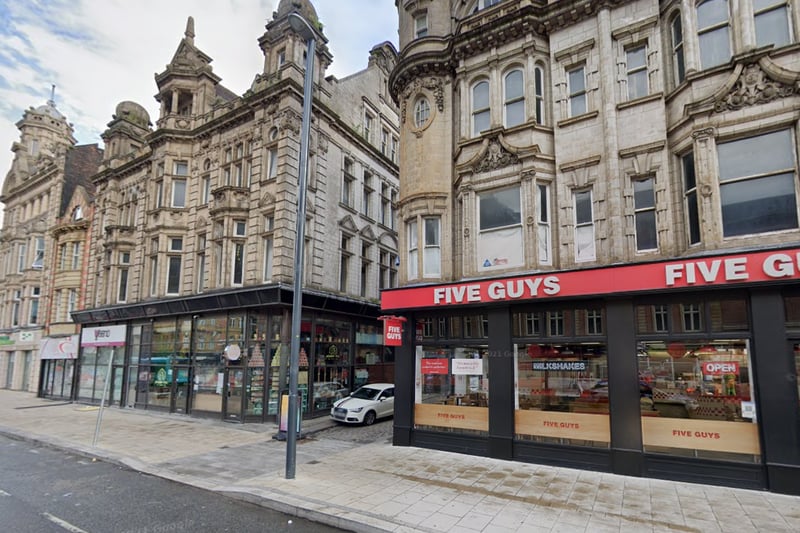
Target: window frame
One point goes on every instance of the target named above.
(642, 212)
(479, 113)
(723, 26)
(573, 95)
(582, 221)
(510, 101)
(636, 71)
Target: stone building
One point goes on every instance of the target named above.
(599, 210)
(193, 235)
(45, 193)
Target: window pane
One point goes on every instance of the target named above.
(499, 208)
(431, 232)
(584, 243)
(694, 218)
(637, 84)
(772, 27)
(583, 207)
(756, 155)
(577, 82)
(714, 47)
(577, 105)
(174, 275)
(480, 96)
(711, 13)
(643, 195)
(515, 113)
(432, 260)
(688, 171)
(759, 205)
(514, 85)
(646, 231)
(179, 193)
(481, 121)
(636, 58)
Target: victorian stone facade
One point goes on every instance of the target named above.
(543, 145)
(191, 240)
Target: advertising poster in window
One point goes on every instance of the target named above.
(500, 249)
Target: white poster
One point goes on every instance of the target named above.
(467, 367)
(500, 249)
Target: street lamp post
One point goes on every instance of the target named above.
(303, 28)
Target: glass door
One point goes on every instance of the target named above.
(234, 393)
(180, 391)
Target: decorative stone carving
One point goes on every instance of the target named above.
(289, 120)
(432, 84)
(496, 157)
(753, 87)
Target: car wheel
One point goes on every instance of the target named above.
(369, 418)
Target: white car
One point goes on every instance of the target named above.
(365, 405)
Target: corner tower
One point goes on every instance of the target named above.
(422, 86)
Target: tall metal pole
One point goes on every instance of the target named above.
(301, 26)
(103, 399)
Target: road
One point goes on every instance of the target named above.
(44, 490)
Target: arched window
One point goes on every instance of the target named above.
(538, 89)
(678, 65)
(713, 32)
(514, 98)
(480, 107)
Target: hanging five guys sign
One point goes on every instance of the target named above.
(707, 271)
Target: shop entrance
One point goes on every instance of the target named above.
(233, 395)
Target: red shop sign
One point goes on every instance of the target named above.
(435, 366)
(718, 368)
(392, 330)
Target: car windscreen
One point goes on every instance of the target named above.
(366, 393)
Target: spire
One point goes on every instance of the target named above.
(52, 100)
(189, 33)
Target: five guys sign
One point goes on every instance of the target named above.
(754, 267)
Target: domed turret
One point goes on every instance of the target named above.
(50, 110)
(132, 112)
(304, 7)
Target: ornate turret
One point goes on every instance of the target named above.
(126, 132)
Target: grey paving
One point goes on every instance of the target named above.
(365, 484)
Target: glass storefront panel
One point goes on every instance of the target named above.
(452, 392)
(374, 362)
(207, 384)
(701, 403)
(562, 393)
(332, 362)
(87, 375)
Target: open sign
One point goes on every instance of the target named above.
(718, 368)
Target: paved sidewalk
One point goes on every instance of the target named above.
(378, 487)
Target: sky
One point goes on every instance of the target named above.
(101, 52)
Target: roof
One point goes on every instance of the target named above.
(81, 164)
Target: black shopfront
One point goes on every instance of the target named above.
(225, 355)
(683, 370)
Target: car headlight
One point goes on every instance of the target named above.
(356, 410)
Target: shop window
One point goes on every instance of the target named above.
(713, 32)
(562, 393)
(452, 391)
(426, 324)
(555, 323)
(373, 361)
(791, 305)
(772, 22)
(527, 324)
(500, 224)
(757, 184)
(691, 317)
(797, 367)
(696, 399)
(690, 197)
(728, 315)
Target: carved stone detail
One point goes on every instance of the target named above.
(496, 157)
(432, 84)
(289, 120)
(753, 87)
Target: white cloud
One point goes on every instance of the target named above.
(101, 53)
